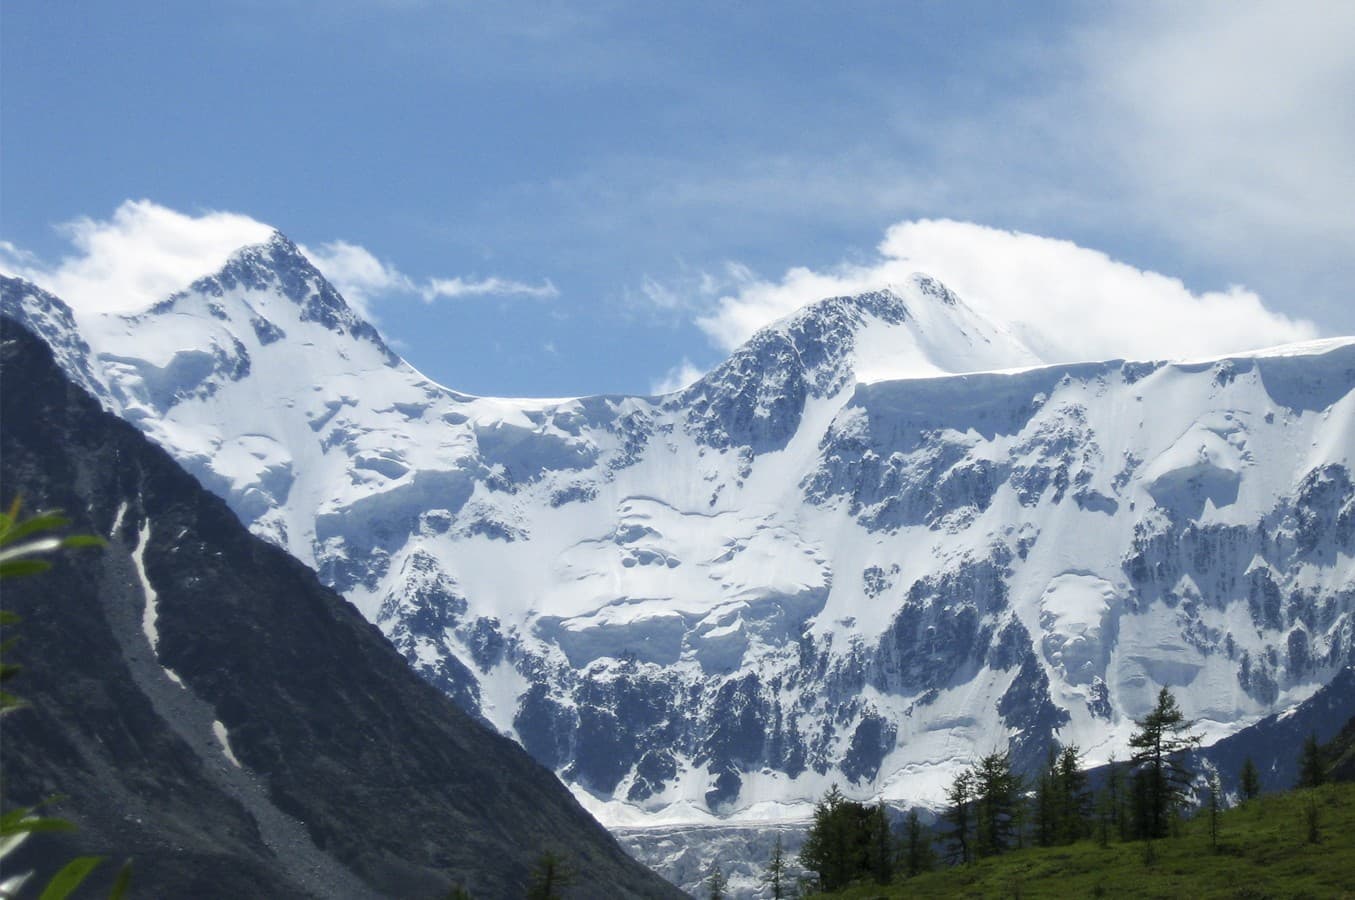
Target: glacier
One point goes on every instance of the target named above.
(882, 537)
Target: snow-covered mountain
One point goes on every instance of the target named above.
(880, 538)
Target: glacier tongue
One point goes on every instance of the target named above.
(856, 552)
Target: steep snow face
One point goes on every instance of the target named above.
(803, 569)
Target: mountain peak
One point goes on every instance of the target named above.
(917, 328)
(279, 266)
(890, 303)
(276, 262)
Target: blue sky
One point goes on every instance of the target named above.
(602, 189)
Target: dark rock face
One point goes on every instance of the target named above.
(940, 635)
(355, 779)
(755, 398)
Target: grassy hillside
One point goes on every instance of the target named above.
(1263, 853)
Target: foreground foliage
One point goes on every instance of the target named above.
(1263, 851)
(21, 542)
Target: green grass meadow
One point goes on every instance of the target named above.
(1263, 852)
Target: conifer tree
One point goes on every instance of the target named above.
(839, 842)
(1250, 780)
(1104, 817)
(715, 884)
(1073, 800)
(881, 845)
(1161, 780)
(1215, 805)
(1311, 817)
(1116, 797)
(825, 849)
(917, 854)
(1046, 806)
(959, 796)
(775, 876)
(550, 876)
(1312, 773)
(997, 791)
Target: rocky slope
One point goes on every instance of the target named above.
(209, 709)
(803, 569)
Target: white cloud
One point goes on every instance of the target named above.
(1068, 302)
(435, 288)
(357, 274)
(146, 251)
(677, 378)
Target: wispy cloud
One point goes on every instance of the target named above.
(680, 376)
(357, 274)
(144, 252)
(436, 288)
(1068, 302)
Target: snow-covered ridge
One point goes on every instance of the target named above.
(883, 536)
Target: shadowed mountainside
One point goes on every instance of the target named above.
(213, 711)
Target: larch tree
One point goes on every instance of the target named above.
(1161, 779)
(550, 876)
(1073, 799)
(715, 883)
(1249, 781)
(959, 813)
(917, 847)
(775, 875)
(997, 792)
(1312, 772)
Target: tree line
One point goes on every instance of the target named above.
(992, 809)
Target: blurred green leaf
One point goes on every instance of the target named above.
(70, 877)
(31, 824)
(120, 885)
(12, 567)
(48, 521)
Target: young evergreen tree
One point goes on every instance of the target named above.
(775, 876)
(1249, 781)
(997, 791)
(1311, 817)
(715, 883)
(881, 845)
(1215, 806)
(1312, 772)
(917, 848)
(1046, 804)
(1116, 797)
(1073, 799)
(958, 814)
(1105, 817)
(1161, 780)
(550, 876)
